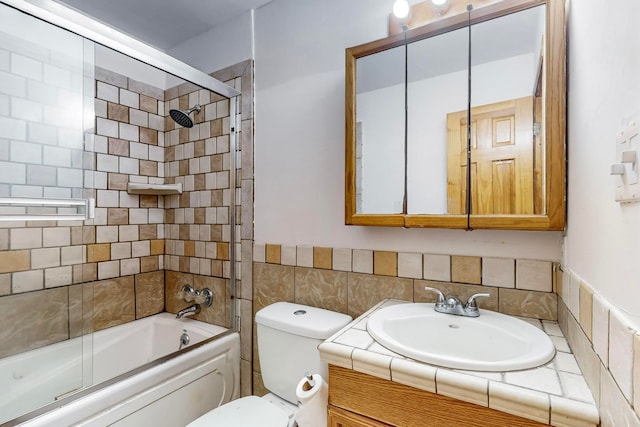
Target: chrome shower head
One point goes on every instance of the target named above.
(182, 117)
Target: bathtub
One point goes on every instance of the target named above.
(140, 377)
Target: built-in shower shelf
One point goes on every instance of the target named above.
(154, 189)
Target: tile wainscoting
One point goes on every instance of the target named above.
(606, 347)
(352, 281)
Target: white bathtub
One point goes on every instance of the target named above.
(169, 393)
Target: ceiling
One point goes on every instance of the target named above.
(164, 23)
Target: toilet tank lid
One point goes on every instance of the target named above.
(311, 322)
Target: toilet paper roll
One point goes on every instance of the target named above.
(313, 402)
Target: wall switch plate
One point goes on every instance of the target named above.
(627, 168)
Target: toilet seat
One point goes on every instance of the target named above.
(249, 411)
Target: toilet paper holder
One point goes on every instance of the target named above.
(310, 383)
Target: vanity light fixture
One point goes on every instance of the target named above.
(442, 6)
(401, 9)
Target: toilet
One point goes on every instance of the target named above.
(288, 338)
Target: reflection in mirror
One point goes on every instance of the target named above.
(507, 123)
(380, 132)
(437, 74)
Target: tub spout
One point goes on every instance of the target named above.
(192, 310)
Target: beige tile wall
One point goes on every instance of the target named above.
(352, 281)
(606, 346)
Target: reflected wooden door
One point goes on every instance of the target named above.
(502, 159)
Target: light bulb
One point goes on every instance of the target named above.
(401, 9)
(439, 2)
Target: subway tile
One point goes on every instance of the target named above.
(5, 284)
(107, 127)
(498, 272)
(107, 163)
(107, 92)
(130, 99)
(129, 266)
(43, 258)
(621, 352)
(533, 275)
(466, 269)
(108, 269)
(437, 267)
(58, 276)
(41, 175)
(55, 156)
(23, 152)
(26, 281)
(12, 84)
(410, 265)
(128, 132)
(14, 129)
(25, 238)
(117, 112)
(70, 255)
(11, 173)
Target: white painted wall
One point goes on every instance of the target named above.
(224, 45)
(299, 137)
(603, 237)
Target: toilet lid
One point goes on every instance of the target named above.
(250, 411)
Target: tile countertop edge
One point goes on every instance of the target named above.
(516, 400)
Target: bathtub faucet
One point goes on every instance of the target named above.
(192, 310)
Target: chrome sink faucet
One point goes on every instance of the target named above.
(452, 304)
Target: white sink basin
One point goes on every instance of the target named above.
(493, 342)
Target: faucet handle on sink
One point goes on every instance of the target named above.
(471, 307)
(440, 300)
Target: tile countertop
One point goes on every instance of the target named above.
(555, 393)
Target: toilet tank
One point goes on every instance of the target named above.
(288, 338)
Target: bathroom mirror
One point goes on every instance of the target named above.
(516, 169)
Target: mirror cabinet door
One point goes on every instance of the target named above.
(437, 75)
(507, 142)
(379, 132)
(516, 175)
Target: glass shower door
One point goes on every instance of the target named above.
(46, 115)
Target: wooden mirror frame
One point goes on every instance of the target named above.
(555, 125)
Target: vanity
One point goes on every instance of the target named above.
(373, 386)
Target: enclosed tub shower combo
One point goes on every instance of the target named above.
(117, 188)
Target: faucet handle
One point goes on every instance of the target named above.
(471, 306)
(186, 293)
(440, 296)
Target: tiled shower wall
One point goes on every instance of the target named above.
(351, 281)
(121, 253)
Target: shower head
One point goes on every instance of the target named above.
(182, 117)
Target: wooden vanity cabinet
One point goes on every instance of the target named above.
(359, 400)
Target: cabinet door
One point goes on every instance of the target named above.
(341, 418)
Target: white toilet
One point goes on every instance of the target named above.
(288, 338)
